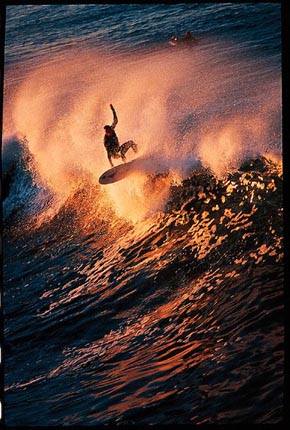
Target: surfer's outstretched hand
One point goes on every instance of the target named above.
(111, 106)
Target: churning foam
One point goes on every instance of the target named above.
(176, 104)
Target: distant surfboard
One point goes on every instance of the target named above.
(183, 42)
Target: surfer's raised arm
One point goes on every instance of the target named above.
(115, 121)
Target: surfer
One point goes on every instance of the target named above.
(188, 36)
(173, 40)
(186, 39)
(111, 142)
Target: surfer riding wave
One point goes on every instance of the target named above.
(111, 142)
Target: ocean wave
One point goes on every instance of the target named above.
(24, 197)
(159, 309)
(30, 202)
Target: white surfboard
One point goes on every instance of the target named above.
(148, 165)
(117, 173)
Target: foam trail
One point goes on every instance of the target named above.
(178, 105)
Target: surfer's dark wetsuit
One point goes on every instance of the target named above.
(111, 142)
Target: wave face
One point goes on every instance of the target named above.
(157, 299)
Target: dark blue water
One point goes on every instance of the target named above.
(253, 26)
(157, 299)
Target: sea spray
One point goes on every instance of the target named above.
(181, 107)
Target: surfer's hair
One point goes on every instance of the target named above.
(108, 127)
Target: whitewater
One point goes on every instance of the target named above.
(157, 299)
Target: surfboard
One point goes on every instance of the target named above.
(148, 165)
(117, 173)
(183, 42)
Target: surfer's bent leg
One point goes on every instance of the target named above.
(127, 145)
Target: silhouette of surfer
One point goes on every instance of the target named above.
(173, 40)
(111, 142)
(188, 38)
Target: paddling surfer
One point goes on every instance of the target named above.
(111, 142)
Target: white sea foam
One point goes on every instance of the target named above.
(179, 106)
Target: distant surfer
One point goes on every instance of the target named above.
(173, 40)
(188, 38)
(111, 142)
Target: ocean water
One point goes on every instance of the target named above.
(157, 299)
